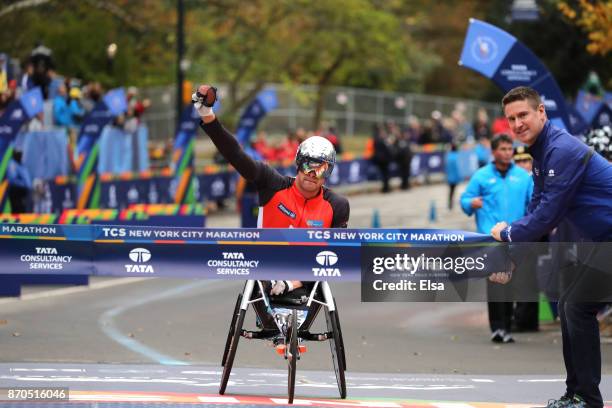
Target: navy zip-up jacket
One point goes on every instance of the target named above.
(570, 182)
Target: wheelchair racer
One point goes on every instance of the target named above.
(285, 202)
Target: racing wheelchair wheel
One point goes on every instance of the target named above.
(292, 343)
(337, 350)
(230, 332)
(341, 339)
(231, 352)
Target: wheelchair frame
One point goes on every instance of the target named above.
(286, 333)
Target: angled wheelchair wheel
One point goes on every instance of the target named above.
(230, 332)
(292, 343)
(337, 350)
(231, 352)
(341, 339)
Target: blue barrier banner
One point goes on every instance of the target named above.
(12, 119)
(119, 193)
(142, 148)
(45, 153)
(215, 186)
(122, 152)
(305, 254)
(113, 104)
(500, 57)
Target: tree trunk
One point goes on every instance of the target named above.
(319, 105)
(323, 85)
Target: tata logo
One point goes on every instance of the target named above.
(326, 259)
(233, 255)
(140, 256)
(484, 49)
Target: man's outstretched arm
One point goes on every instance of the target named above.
(224, 141)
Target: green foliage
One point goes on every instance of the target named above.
(79, 32)
(399, 45)
(343, 42)
(560, 45)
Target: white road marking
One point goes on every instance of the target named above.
(218, 399)
(451, 405)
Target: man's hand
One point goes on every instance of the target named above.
(501, 277)
(497, 229)
(203, 100)
(476, 203)
(280, 287)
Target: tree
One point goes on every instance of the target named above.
(596, 19)
(560, 45)
(79, 32)
(342, 42)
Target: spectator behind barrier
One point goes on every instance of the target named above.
(452, 173)
(20, 184)
(42, 63)
(61, 111)
(481, 125)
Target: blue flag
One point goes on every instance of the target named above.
(265, 102)
(500, 57)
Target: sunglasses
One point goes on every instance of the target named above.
(319, 168)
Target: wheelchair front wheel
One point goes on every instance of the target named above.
(230, 332)
(343, 354)
(231, 353)
(292, 344)
(337, 350)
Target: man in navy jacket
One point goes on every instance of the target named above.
(573, 184)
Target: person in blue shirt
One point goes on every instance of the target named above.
(574, 185)
(77, 112)
(496, 192)
(61, 111)
(19, 183)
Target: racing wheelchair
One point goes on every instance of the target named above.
(277, 320)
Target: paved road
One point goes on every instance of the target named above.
(166, 323)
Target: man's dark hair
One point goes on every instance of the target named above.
(522, 93)
(499, 139)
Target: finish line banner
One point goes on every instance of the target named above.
(391, 264)
(304, 254)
